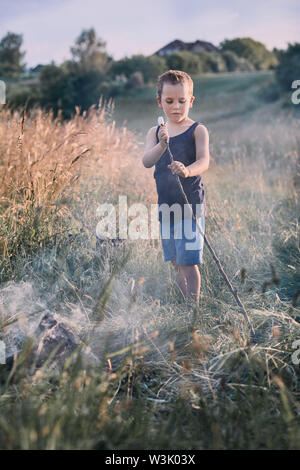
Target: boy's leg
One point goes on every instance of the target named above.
(181, 280)
(189, 281)
(189, 251)
(193, 280)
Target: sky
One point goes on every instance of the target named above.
(51, 27)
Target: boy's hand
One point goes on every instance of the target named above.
(163, 135)
(179, 169)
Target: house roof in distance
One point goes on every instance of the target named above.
(178, 45)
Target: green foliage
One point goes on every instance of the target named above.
(26, 97)
(78, 82)
(52, 79)
(208, 62)
(64, 89)
(288, 68)
(235, 63)
(81, 82)
(136, 80)
(11, 56)
(184, 60)
(150, 67)
(254, 51)
(92, 72)
(89, 52)
(216, 62)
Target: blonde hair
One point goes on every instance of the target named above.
(174, 77)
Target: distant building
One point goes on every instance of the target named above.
(177, 45)
(37, 69)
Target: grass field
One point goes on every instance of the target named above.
(217, 98)
(170, 376)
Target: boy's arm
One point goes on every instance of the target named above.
(202, 152)
(153, 150)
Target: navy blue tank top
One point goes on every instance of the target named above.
(183, 148)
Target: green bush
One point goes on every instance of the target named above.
(150, 67)
(288, 68)
(216, 62)
(64, 88)
(184, 60)
(204, 61)
(254, 51)
(136, 80)
(24, 97)
(236, 63)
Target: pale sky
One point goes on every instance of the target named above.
(130, 27)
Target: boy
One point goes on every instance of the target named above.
(189, 144)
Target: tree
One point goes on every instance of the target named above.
(288, 68)
(79, 81)
(52, 79)
(216, 62)
(11, 55)
(236, 63)
(204, 61)
(62, 89)
(89, 52)
(184, 60)
(136, 80)
(149, 66)
(254, 51)
(158, 65)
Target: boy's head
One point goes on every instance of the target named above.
(175, 94)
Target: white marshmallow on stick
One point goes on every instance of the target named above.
(160, 121)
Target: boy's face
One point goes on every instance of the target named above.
(176, 101)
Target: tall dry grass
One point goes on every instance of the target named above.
(46, 165)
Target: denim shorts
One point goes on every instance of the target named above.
(182, 241)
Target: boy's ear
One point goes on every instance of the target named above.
(159, 102)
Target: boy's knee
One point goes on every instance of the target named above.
(176, 266)
(189, 268)
(185, 270)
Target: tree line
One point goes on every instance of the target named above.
(92, 72)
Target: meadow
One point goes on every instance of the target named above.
(169, 376)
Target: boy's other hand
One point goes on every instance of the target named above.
(163, 135)
(179, 169)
